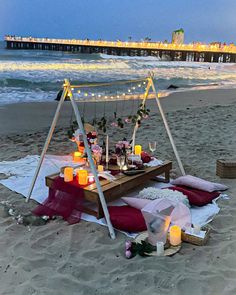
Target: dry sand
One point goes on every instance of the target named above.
(81, 259)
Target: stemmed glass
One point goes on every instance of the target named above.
(121, 162)
(152, 146)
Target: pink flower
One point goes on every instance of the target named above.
(128, 245)
(114, 124)
(127, 120)
(96, 149)
(128, 254)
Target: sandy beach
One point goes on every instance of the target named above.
(58, 258)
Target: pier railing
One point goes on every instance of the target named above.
(175, 52)
(134, 45)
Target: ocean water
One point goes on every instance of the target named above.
(38, 75)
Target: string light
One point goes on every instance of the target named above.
(130, 90)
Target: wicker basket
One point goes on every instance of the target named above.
(226, 168)
(196, 240)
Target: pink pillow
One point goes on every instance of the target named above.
(198, 183)
(137, 203)
(127, 218)
(196, 197)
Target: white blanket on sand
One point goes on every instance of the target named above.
(21, 172)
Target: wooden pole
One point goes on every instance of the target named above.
(167, 128)
(94, 171)
(137, 125)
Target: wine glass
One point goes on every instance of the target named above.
(152, 146)
(121, 162)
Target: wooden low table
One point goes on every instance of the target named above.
(114, 190)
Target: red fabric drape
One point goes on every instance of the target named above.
(65, 199)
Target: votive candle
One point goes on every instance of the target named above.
(77, 156)
(68, 174)
(100, 168)
(137, 150)
(175, 235)
(83, 177)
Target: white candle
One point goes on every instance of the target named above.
(107, 149)
(160, 248)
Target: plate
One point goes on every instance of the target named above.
(133, 172)
(171, 250)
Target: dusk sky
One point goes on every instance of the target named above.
(202, 20)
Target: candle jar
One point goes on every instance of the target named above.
(100, 168)
(83, 177)
(137, 150)
(68, 174)
(77, 156)
(175, 235)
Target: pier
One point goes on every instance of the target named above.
(174, 52)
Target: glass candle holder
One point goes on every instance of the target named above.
(77, 156)
(83, 177)
(68, 174)
(138, 150)
(100, 168)
(175, 235)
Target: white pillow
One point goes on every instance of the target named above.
(152, 193)
(198, 183)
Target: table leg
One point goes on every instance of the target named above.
(167, 176)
